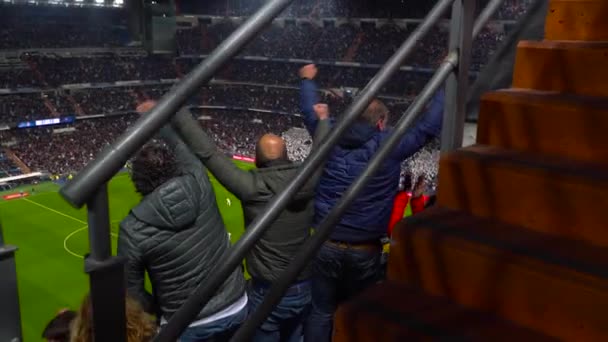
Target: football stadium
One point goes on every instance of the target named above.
(310, 170)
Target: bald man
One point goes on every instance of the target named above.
(277, 247)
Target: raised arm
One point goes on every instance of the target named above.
(321, 111)
(241, 183)
(309, 96)
(428, 127)
(187, 162)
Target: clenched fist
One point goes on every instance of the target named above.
(145, 106)
(322, 111)
(309, 71)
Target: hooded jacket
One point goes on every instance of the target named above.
(177, 235)
(255, 188)
(367, 218)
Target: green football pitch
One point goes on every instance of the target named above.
(52, 239)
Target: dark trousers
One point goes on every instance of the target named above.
(285, 322)
(339, 273)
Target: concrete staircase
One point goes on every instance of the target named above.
(350, 54)
(77, 107)
(51, 107)
(17, 161)
(517, 246)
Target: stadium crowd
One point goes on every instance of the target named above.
(64, 152)
(510, 10)
(26, 27)
(364, 43)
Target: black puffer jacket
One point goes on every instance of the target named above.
(177, 235)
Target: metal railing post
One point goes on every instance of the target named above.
(256, 229)
(10, 313)
(457, 85)
(98, 217)
(106, 273)
(78, 191)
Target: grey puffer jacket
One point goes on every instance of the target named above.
(177, 235)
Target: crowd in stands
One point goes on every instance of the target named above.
(18, 76)
(510, 10)
(23, 107)
(43, 149)
(109, 68)
(24, 35)
(24, 27)
(105, 100)
(221, 126)
(118, 100)
(366, 43)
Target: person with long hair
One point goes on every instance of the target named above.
(140, 325)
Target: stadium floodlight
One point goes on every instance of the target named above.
(119, 2)
(99, 2)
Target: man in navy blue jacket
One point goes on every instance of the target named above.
(350, 260)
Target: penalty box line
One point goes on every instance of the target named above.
(54, 211)
(65, 240)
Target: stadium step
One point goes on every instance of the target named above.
(579, 68)
(20, 164)
(394, 312)
(577, 20)
(553, 285)
(550, 195)
(544, 122)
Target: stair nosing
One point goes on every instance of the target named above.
(572, 261)
(563, 44)
(590, 171)
(547, 97)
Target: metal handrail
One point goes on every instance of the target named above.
(197, 300)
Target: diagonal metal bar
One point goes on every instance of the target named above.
(310, 248)
(486, 15)
(256, 229)
(114, 157)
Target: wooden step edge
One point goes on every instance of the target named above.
(590, 171)
(569, 254)
(563, 44)
(407, 312)
(535, 97)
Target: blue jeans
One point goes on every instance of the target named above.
(339, 273)
(285, 322)
(217, 331)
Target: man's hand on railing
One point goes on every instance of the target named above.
(322, 111)
(145, 106)
(309, 72)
